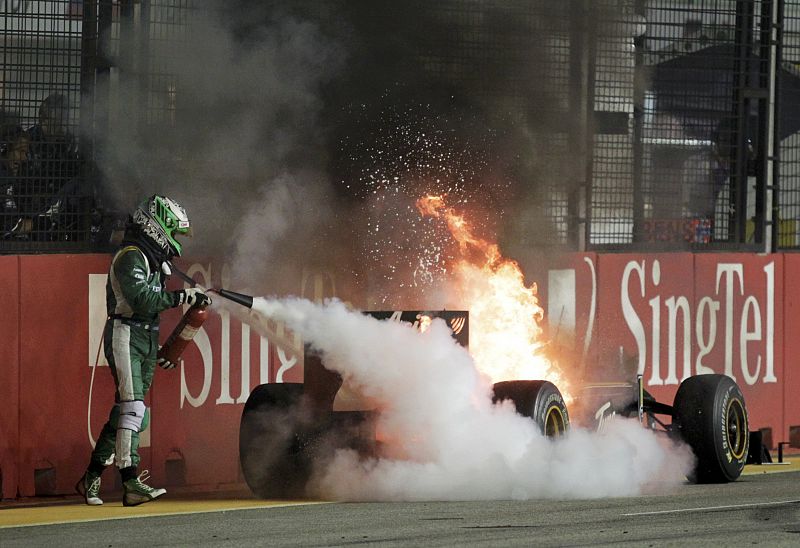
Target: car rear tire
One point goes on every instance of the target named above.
(276, 441)
(538, 400)
(711, 417)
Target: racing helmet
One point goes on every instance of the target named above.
(162, 219)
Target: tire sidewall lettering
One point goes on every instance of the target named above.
(554, 399)
(724, 421)
(731, 395)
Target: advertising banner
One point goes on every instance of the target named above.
(738, 321)
(643, 304)
(66, 390)
(669, 316)
(664, 316)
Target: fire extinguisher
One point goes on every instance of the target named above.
(183, 333)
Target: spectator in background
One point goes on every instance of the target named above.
(54, 152)
(706, 173)
(16, 206)
(56, 167)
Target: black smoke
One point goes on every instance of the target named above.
(289, 129)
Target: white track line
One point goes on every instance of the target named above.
(727, 507)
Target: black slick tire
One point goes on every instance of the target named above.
(274, 451)
(539, 400)
(711, 417)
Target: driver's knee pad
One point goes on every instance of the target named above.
(131, 415)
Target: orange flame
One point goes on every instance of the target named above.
(506, 338)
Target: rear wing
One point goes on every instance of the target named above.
(457, 320)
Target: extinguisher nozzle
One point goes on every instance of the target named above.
(241, 298)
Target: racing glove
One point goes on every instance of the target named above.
(192, 296)
(164, 363)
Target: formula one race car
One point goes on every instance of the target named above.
(286, 427)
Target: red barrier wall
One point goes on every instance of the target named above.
(749, 324)
(63, 400)
(668, 316)
(790, 342)
(628, 285)
(9, 375)
(53, 369)
(725, 313)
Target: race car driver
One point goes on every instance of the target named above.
(135, 296)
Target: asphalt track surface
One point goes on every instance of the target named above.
(759, 509)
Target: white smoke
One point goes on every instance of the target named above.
(455, 444)
(230, 123)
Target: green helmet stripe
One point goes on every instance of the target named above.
(162, 219)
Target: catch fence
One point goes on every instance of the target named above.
(657, 124)
(45, 203)
(648, 124)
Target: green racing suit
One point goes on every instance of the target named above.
(135, 296)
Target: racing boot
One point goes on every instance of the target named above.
(89, 488)
(136, 491)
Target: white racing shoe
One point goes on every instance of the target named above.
(89, 488)
(136, 492)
